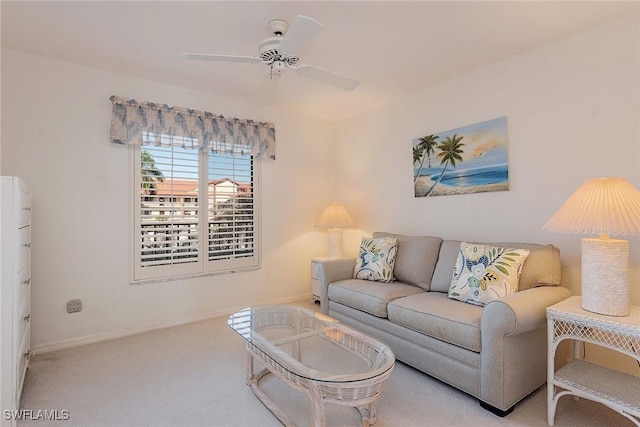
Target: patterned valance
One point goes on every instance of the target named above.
(131, 121)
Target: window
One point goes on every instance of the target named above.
(195, 210)
(195, 193)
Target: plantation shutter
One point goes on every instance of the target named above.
(231, 207)
(169, 208)
(196, 210)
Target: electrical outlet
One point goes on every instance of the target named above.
(74, 305)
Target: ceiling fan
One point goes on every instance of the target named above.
(280, 52)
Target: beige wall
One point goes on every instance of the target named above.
(55, 132)
(572, 112)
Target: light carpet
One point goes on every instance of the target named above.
(194, 375)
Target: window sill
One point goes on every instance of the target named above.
(190, 276)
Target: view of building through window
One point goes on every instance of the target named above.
(194, 202)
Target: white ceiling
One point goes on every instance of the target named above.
(392, 47)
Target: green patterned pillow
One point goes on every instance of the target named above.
(376, 259)
(485, 273)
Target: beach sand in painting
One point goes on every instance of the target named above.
(423, 183)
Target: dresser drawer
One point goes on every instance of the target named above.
(25, 244)
(25, 207)
(22, 363)
(23, 317)
(24, 280)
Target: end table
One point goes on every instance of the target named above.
(617, 390)
(315, 279)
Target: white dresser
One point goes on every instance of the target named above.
(15, 292)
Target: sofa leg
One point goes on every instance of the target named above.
(498, 412)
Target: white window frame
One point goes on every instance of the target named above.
(203, 266)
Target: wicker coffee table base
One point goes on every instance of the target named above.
(362, 395)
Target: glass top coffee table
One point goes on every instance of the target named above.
(315, 354)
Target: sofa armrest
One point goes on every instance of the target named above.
(332, 270)
(513, 344)
(522, 311)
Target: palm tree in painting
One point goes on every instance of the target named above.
(150, 172)
(417, 156)
(423, 150)
(450, 153)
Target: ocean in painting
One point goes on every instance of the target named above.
(475, 177)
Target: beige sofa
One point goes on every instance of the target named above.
(496, 353)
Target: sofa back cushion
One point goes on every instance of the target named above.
(416, 259)
(443, 273)
(542, 266)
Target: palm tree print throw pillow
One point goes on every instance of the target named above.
(376, 259)
(485, 273)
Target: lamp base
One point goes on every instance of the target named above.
(605, 276)
(335, 243)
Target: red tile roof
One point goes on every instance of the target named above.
(189, 188)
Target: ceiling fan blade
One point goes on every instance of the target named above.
(329, 77)
(221, 58)
(301, 32)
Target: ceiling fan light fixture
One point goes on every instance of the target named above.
(276, 69)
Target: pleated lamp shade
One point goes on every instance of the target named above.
(602, 206)
(335, 218)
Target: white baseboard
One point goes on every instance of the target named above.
(89, 339)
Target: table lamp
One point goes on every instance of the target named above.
(602, 206)
(335, 218)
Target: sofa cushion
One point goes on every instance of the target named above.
(542, 266)
(416, 259)
(433, 314)
(484, 273)
(444, 268)
(367, 296)
(376, 259)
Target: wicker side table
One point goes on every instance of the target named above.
(617, 390)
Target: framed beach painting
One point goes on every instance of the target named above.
(469, 159)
